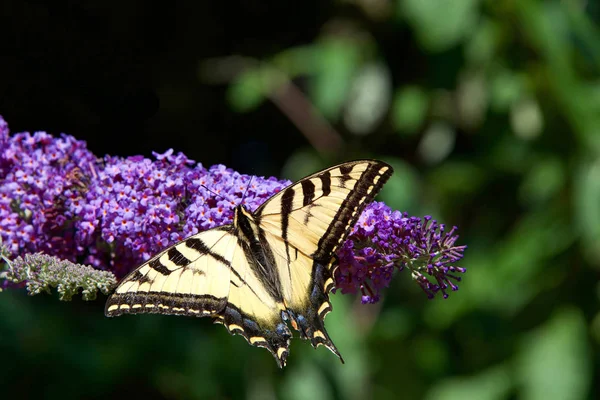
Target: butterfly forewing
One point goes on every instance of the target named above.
(190, 278)
(208, 274)
(317, 213)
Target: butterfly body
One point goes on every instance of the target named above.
(270, 267)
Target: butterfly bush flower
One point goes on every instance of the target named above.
(61, 205)
(384, 240)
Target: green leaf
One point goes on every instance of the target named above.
(246, 92)
(492, 384)
(554, 361)
(510, 154)
(409, 109)
(506, 88)
(431, 354)
(250, 88)
(440, 24)
(552, 37)
(296, 60)
(543, 181)
(457, 178)
(482, 46)
(352, 378)
(336, 62)
(587, 208)
(306, 382)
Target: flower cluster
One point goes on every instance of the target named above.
(113, 213)
(56, 197)
(42, 272)
(384, 240)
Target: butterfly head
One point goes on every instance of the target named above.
(243, 220)
(239, 212)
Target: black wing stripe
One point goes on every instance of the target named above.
(345, 170)
(166, 303)
(159, 267)
(177, 258)
(201, 247)
(257, 259)
(351, 208)
(287, 201)
(325, 183)
(308, 191)
(141, 278)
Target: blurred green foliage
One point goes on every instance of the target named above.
(496, 129)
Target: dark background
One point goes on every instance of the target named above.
(129, 74)
(488, 110)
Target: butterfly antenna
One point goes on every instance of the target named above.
(215, 193)
(246, 191)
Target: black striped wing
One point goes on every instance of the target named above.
(208, 274)
(304, 224)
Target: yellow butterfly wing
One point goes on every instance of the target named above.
(208, 274)
(303, 226)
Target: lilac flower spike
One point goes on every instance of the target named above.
(384, 240)
(113, 213)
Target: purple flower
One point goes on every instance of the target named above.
(383, 241)
(113, 213)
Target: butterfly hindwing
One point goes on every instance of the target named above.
(303, 284)
(304, 224)
(253, 310)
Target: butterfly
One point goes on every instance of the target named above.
(269, 269)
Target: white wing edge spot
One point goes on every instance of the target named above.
(280, 351)
(257, 339)
(319, 334)
(234, 327)
(324, 306)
